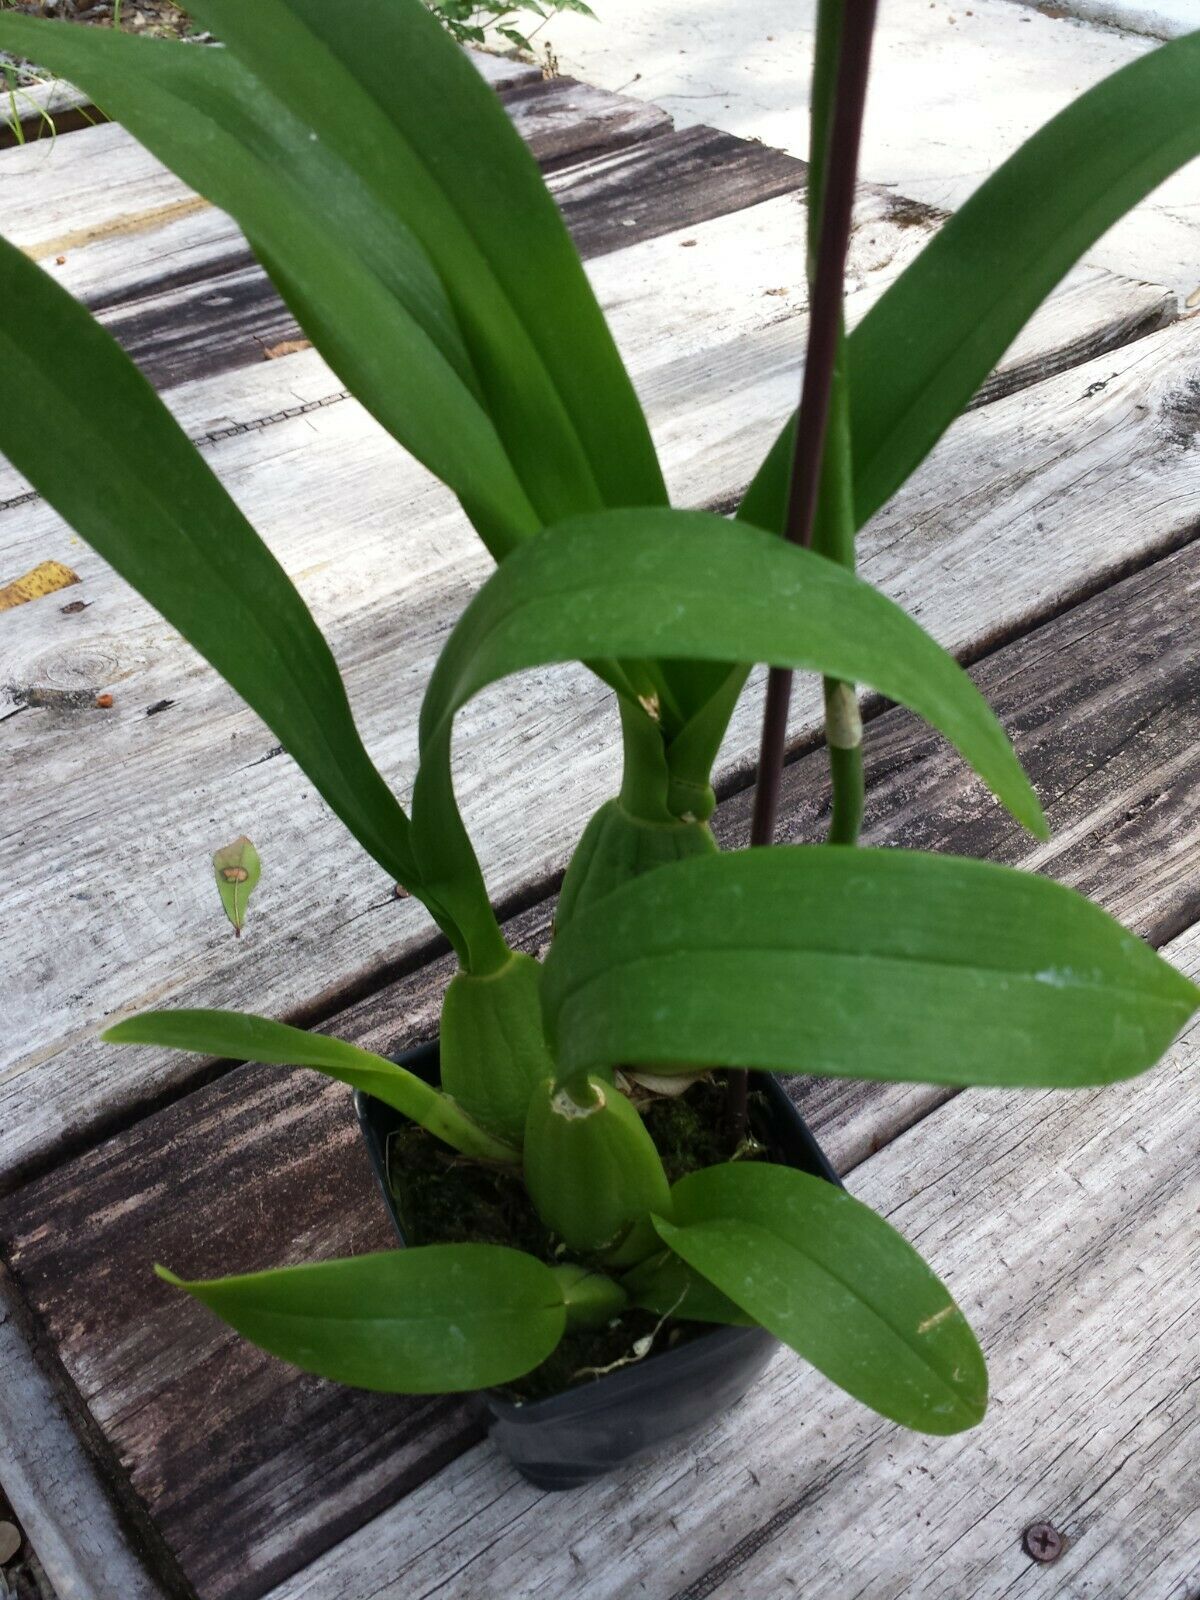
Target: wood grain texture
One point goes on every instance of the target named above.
(1026, 503)
(51, 1483)
(264, 1166)
(669, 184)
(174, 279)
(1065, 1226)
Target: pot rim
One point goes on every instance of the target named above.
(626, 1381)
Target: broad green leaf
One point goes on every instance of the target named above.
(680, 584)
(406, 110)
(237, 870)
(886, 964)
(237, 1036)
(831, 1278)
(136, 489)
(928, 343)
(354, 272)
(439, 1319)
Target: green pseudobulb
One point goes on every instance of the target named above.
(591, 1167)
(617, 846)
(493, 1050)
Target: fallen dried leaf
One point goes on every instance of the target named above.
(237, 869)
(287, 347)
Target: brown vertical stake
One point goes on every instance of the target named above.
(825, 313)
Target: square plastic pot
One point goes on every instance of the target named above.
(570, 1438)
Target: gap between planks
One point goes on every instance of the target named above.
(266, 1166)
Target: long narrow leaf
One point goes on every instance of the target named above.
(406, 111)
(238, 1036)
(830, 1277)
(435, 1320)
(928, 343)
(136, 489)
(686, 584)
(352, 269)
(886, 964)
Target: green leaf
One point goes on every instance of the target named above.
(353, 270)
(136, 489)
(680, 584)
(665, 1284)
(407, 112)
(928, 343)
(435, 1320)
(238, 1036)
(853, 963)
(831, 1278)
(237, 870)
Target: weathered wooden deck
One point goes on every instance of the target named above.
(1049, 541)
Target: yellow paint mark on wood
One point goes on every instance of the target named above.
(118, 227)
(46, 578)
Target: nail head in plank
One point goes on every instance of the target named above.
(265, 1165)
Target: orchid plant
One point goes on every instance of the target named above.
(403, 221)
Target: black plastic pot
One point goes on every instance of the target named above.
(582, 1433)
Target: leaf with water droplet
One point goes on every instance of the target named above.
(237, 869)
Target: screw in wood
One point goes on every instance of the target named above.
(1042, 1542)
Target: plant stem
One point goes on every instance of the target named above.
(591, 1298)
(824, 336)
(844, 32)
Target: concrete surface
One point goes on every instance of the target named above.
(956, 87)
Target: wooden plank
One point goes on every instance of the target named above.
(54, 107)
(265, 1166)
(669, 184)
(564, 122)
(1065, 1225)
(503, 72)
(50, 1482)
(37, 111)
(1027, 502)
